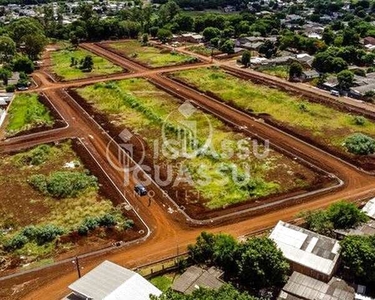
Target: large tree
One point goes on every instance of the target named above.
(295, 70)
(245, 59)
(7, 49)
(261, 263)
(345, 79)
(34, 44)
(358, 256)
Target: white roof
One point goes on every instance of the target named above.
(306, 248)
(109, 281)
(369, 208)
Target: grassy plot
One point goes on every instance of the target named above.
(202, 50)
(34, 213)
(63, 68)
(222, 173)
(325, 124)
(149, 55)
(27, 112)
(281, 71)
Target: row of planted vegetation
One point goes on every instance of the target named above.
(50, 200)
(218, 177)
(340, 131)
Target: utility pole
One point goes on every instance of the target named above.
(76, 262)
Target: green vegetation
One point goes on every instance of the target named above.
(63, 184)
(27, 112)
(44, 219)
(358, 256)
(202, 50)
(144, 109)
(340, 215)
(360, 144)
(63, 67)
(256, 263)
(163, 283)
(326, 125)
(226, 292)
(149, 55)
(281, 71)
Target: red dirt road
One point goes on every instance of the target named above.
(169, 232)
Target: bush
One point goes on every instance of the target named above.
(63, 184)
(360, 144)
(33, 157)
(127, 224)
(47, 234)
(10, 88)
(17, 242)
(107, 220)
(359, 120)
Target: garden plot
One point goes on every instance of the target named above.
(69, 64)
(336, 130)
(149, 56)
(218, 173)
(54, 207)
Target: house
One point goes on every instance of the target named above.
(331, 83)
(360, 91)
(307, 252)
(193, 38)
(369, 208)
(109, 281)
(301, 287)
(369, 40)
(309, 75)
(195, 277)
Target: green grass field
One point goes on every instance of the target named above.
(151, 56)
(61, 65)
(202, 50)
(139, 106)
(281, 71)
(22, 206)
(27, 112)
(328, 125)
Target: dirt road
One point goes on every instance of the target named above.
(169, 232)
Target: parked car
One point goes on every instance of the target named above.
(140, 190)
(335, 93)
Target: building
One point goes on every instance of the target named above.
(302, 287)
(307, 252)
(309, 75)
(369, 208)
(369, 40)
(109, 281)
(195, 277)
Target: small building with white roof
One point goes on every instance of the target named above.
(109, 281)
(307, 252)
(369, 208)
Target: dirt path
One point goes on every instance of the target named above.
(169, 233)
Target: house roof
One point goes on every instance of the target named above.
(306, 248)
(363, 88)
(369, 208)
(109, 281)
(195, 277)
(300, 286)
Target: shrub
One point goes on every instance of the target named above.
(17, 242)
(345, 215)
(107, 220)
(47, 234)
(127, 224)
(359, 120)
(63, 184)
(33, 157)
(10, 88)
(360, 144)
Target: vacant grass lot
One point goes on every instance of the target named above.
(325, 124)
(27, 112)
(61, 65)
(202, 50)
(139, 106)
(149, 55)
(281, 71)
(23, 208)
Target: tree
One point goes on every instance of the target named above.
(5, 74)
(360, 144)
(154, 31)
(225, 253)
(7, 49)
(246, 58)
(34, 44)
(145, 39)
(164, 35)
(24, 26)
(345, 215)
(358, 256)
(345, 79)
(210, 32)
(328, 36)
(228, 47)
(261, 263)
(168, 11)
(318, 221)
(87, 64)
(226, 292)
(203, 249)
(295, 70)
(23, 64)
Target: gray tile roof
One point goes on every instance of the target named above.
(300, 286)
(195, 277)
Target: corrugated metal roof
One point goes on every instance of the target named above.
(110, 281)
(306, 248)
(369, 208)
